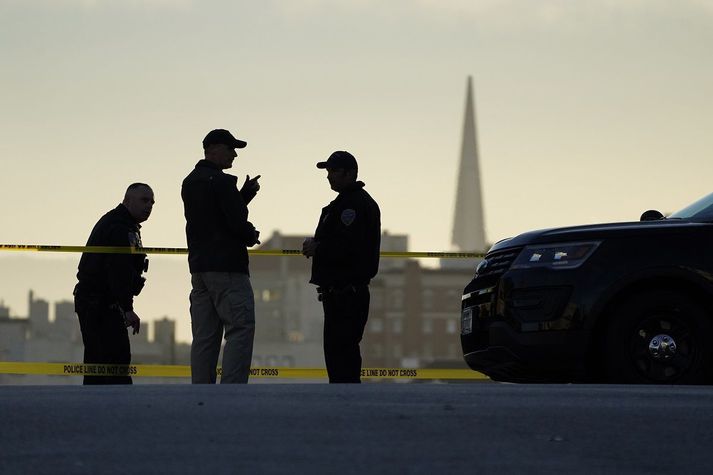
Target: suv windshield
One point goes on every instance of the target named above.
(699, 210)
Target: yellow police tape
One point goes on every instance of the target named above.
(183, 250)
(182, 371)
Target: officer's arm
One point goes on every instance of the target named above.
(119, 269)
(372, 245)
(235, 211)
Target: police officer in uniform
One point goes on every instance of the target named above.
(104, 295)
(345, 257)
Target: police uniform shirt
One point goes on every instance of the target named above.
(349, 237)
(115, 277)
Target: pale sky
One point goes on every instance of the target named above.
(587, 111)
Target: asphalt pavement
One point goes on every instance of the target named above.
(373, 428)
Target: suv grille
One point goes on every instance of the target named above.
(498, 263)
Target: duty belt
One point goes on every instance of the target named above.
(335, 290)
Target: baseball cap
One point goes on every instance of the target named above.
(340, 159)
(222, 136)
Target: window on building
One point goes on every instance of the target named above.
(427, 325)
(377, 298)
(396, 325)
(269, 295)
(295, 336)
(428, 299)
(451, 326)
(396, 299)
(376, 325)
(396, 350)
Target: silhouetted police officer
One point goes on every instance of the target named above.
(345, 257)
(104, 295)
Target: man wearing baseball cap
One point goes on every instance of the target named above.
(218, 234)
(345, 257)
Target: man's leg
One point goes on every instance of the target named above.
(345, 316)
(89, 326)
(235, 303)
(105, 339)
(117, 347)
(207, 332)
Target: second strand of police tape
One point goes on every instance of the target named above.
(184, 371)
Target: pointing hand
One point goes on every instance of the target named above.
(251, 185)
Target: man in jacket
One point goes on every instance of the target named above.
(218, 234)
(345, 257)
(104, 295)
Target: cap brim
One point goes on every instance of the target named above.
(239, 144)
(322, 165)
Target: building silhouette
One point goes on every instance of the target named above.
(468, 218)
(13, 333)
(414, 317)
(39, 315)
(165, 336)
(37, 338)
(65, 325)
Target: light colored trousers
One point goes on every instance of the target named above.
(221, 301)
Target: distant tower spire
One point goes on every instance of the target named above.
(468, 221)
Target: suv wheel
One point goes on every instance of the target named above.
(659, 337)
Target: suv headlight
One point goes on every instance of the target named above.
(555, 256)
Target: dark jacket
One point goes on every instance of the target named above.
(217, 227)
(348, 236)
(113, 278)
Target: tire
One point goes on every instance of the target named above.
(659, 338)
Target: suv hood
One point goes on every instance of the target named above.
(596, 232)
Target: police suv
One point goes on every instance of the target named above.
(617, 303)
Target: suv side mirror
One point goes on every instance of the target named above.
(651, 215)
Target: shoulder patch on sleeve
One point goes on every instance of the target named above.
(348, 216)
